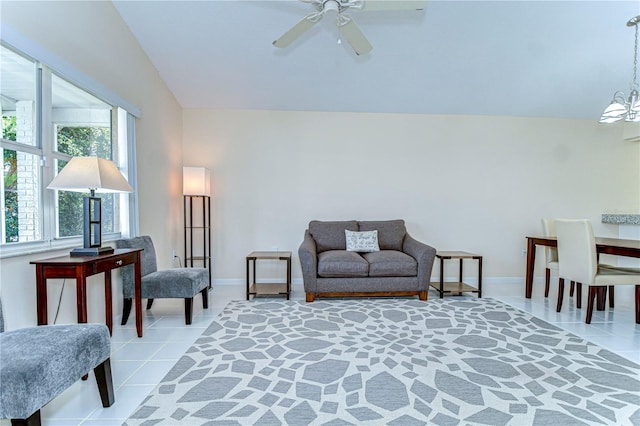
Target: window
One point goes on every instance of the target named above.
(47, 120)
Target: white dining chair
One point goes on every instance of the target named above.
(579, 262)
(551, 265)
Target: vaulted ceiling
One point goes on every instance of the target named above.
(516, 58)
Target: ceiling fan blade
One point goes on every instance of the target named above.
(369, 5)
(351, 32)
(297, 30)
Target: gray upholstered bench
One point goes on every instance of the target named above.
(39, 363)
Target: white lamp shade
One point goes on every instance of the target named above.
(196, 181)
(83, 173)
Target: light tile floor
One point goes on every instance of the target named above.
(138, 365)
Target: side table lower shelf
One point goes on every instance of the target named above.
(267, 289)
(458, 287)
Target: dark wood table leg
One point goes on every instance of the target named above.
(531, 260)
(108, 306)
(480, 277)
(441, 290)
(138, 294)
(81, 295)
(41, 295)
(247, 261)
(288, 277)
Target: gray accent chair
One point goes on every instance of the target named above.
(402, 267)
(183, 283)
(38, 363)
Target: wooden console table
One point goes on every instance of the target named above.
(80, 268)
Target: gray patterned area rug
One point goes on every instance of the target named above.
(392, 361)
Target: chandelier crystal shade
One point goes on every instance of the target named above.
(621, 106)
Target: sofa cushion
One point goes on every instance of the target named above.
(362, 242)
(391, 263)
(342, 263)
(330, 235)
(390, 232)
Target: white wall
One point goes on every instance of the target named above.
(92, 37)
(478, 184)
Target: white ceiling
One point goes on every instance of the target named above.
(515, 58)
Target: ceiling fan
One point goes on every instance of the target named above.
(347, 27)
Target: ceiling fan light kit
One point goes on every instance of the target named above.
(348, 29)
(622, 107)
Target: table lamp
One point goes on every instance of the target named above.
(97, 175)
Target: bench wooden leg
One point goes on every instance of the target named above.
(105, 383)
(33, 420)
(188, 310)
(310, 297)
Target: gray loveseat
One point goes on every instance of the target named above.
(401, 267)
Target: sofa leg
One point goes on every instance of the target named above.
(311, 297)
(188, 310)
(423, 295)
(33, 420)
(105, 383)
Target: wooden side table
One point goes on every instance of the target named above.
(268, 289)
(458, 287)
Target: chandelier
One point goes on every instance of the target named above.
(621, 107)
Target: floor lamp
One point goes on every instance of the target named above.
(96, 175)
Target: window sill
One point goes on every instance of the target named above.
(26, 249)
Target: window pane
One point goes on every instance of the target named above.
(20, 197)
(82, 127)
(17, 97)
(82, 121)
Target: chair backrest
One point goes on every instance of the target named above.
(549, 230)
(576, 250)
(148, 262)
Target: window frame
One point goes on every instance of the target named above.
(122, 137)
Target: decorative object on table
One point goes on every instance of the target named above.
(255, 288)
(458, 287)
(196, 189)
(401, 267)
(38, 363)
(450, 361)
(579, 262)
(96, 175)
(629, 108)
(173, 283)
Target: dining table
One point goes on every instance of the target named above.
(612, 246)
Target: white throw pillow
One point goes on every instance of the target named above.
(363, 242)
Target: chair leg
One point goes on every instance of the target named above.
(188, 310)
(560, 294)
(611, 287)
(571, 288)
(205, 298)
(126, 310)
(547, 278)
(105, 384)
(149, 303)
(602, 298)
(592, 295)
(579, 295)
(33, 420)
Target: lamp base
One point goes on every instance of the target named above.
(90, 251)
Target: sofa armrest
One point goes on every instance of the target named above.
(309, 262)
(424, 255)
